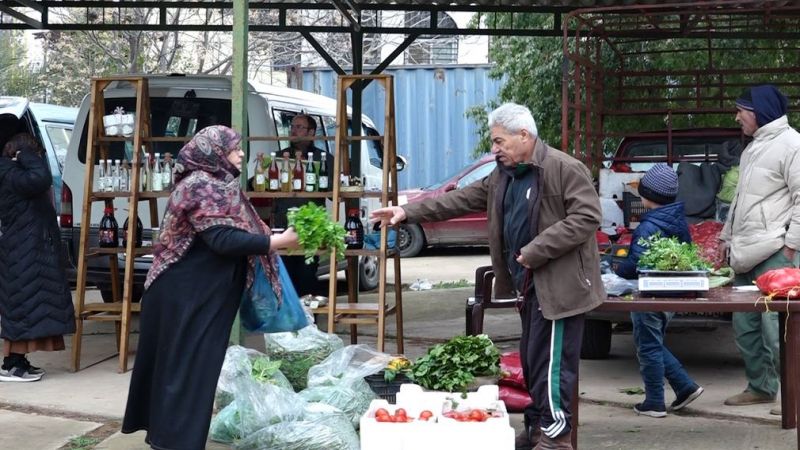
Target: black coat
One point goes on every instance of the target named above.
(35, 298)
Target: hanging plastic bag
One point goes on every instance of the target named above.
(262, 312)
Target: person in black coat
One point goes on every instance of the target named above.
(35, 299)
(211, 237)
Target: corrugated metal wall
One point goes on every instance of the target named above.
(430, 102)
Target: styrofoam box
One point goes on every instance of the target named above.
(439, 432)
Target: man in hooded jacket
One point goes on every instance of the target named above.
(762, 230)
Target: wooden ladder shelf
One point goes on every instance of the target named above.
(354, 313)
(120, 310)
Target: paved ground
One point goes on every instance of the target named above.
(82, 410)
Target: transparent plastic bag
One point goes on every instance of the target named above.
(348, 365)
(255, 406)
(299, 350)
(314, 432)
(617, 286)
(239, 364)
(352, 398)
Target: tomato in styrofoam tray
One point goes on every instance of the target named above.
(400, 416)
(464, 413)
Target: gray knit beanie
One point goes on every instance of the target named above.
(659, 184)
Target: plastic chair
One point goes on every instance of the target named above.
(482, 300)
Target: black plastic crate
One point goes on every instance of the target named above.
(632, 208)
(386, 390)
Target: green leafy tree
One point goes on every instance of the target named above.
(16, 76)
(532, 68)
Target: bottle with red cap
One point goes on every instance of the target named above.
(108, 234)
(354, 239)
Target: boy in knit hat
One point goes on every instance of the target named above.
(658, 189)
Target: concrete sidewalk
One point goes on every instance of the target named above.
(83, 410)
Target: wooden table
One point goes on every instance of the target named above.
(727, 299)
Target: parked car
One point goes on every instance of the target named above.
(466, 230)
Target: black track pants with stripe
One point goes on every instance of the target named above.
(550, 353)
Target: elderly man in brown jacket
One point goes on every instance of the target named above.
(543, 212)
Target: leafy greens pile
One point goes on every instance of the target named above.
(315, 230)
(453, 365)
(670, 254)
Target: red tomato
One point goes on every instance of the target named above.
(425, 415)
(383, 418)
(381, 411)
(400, 412)
(477, 415)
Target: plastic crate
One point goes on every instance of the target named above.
(632, 208)
(386, 390)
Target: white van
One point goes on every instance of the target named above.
(200, 101)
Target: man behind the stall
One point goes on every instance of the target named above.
(543, 212)
(658, 189)
(762, 230)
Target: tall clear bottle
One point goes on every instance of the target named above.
(116, 176)
(166, 172)
(311, 174)
(125, 176)
(109, 184)
(158, 180)
(145, 173)
(101, 176)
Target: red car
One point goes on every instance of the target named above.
(462, 231)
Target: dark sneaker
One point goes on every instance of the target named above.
(650, 411)
(687, 398)
(18, 375)
(31, 369)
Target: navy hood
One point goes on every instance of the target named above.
(766, 101)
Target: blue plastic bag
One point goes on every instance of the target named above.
(260, 311)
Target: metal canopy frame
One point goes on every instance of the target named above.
(603, 86)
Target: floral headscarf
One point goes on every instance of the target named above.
(207, 194)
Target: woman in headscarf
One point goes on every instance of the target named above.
(210, 239)
(35, 299)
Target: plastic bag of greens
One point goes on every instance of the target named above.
(321, 431)
(225, 426)
(352, 399)
(246, 363)
(348, 365)
(299, 350)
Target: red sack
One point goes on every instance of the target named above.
(511, 368)
(706, 236)
(515, 399)
(781, 283)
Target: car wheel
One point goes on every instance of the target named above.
(368, 273)
(105, 292)
(410, 240)
(596, 339)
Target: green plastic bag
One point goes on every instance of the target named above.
(728, 188)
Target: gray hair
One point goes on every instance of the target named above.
(514, 118)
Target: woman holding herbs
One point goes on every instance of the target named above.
(210, 240)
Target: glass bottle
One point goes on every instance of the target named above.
(297, 173)
(166, 172)
(158, 180)
(116, 176)
(285, 185)
(354, 239)
(109, 175)
(146, 184)
(124, 176)
(324, 177)
(311, 174)
(108, 233)
(260, 183)
(273, 174)
(101, 176)
(139, 231)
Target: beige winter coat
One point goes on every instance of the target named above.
(765, 212)
(566, 215)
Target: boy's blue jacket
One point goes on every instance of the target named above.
(669, 220)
